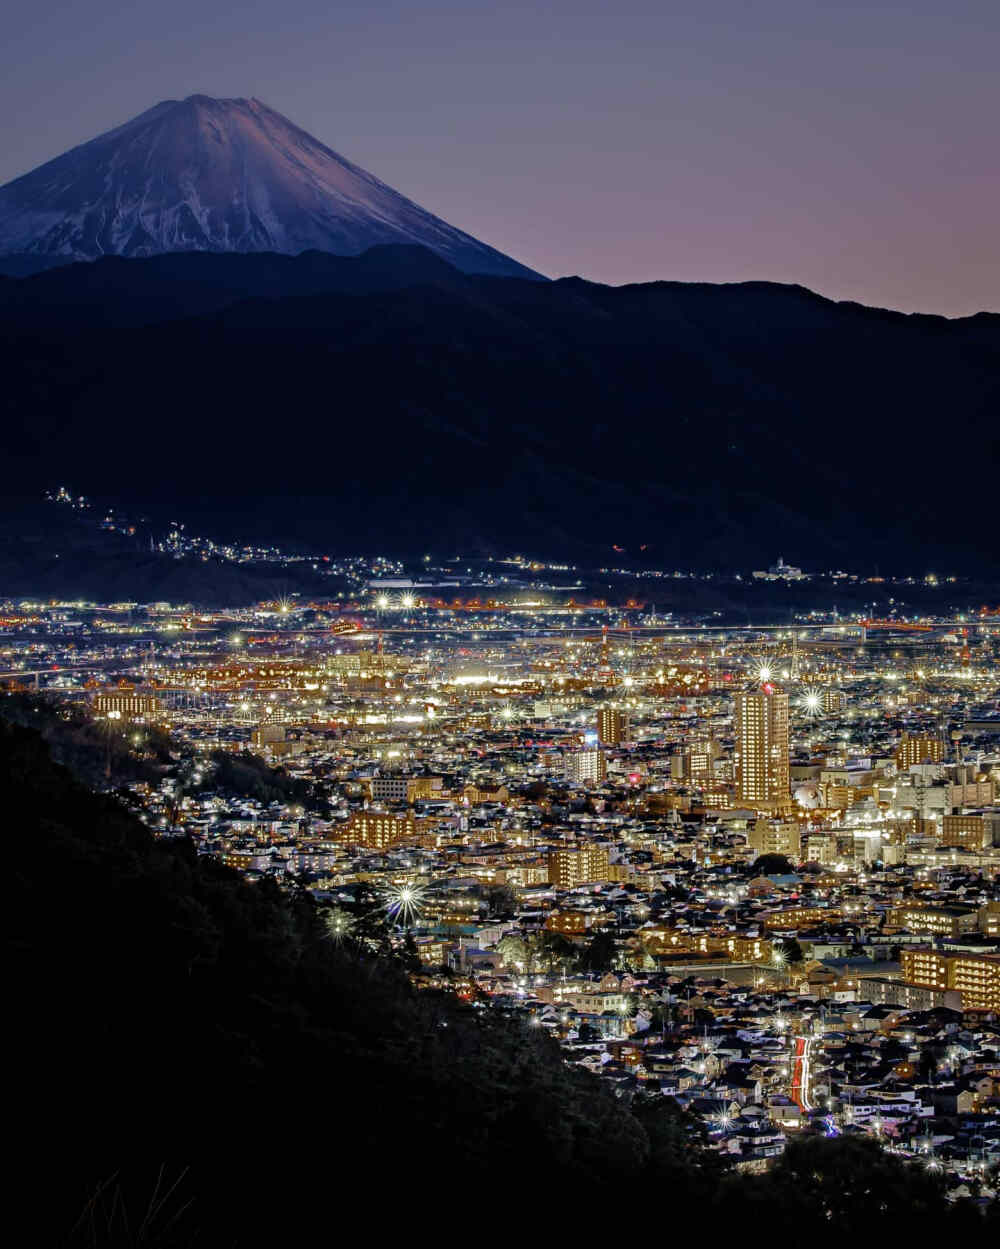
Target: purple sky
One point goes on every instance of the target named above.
(850, 146)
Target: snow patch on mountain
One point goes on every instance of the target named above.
(232, 175)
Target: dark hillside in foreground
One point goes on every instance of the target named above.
(162, 1007)
(390, 412)
(164, 1003)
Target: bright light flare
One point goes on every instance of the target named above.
(812, 703)
(339, 926)
(403, 903)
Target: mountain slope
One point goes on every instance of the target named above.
(203, 174)
(703, 423)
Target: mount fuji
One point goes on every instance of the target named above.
(217, 175)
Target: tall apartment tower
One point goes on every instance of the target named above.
(613, 726)
(918, 748)
(578, 866)
(585, 766)
(695, 762)
(761, 757)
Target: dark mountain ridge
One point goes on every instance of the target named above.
(117, 292)
(389, 401)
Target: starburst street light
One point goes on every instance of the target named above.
(407, 601)
(812, 703)
(764, 674)
(403, 903)
(338, 925)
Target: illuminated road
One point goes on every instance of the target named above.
(53, 670)
(801, 1074)
(824, 632)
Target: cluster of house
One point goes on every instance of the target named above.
(824, 960)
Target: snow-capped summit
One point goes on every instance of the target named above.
(223, 176)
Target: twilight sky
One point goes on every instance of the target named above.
(850, 145)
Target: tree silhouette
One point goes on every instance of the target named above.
(599, 952)
(772, 865)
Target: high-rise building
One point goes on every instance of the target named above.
(975, 976)
(126, 704)
(695, 762)
(938, 921)
(578, 866)
(351, 662)
(918, 748)
(761, 755)
(613, 726)
(975, 830)
(389, 788)
(403, 788)
(377, 830)
(583, 766)
(267, 734)
(776, 837)
(823, 848)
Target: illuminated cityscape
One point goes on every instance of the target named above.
(754, 869)
(500, 623)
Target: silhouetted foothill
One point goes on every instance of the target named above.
(390, 402)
